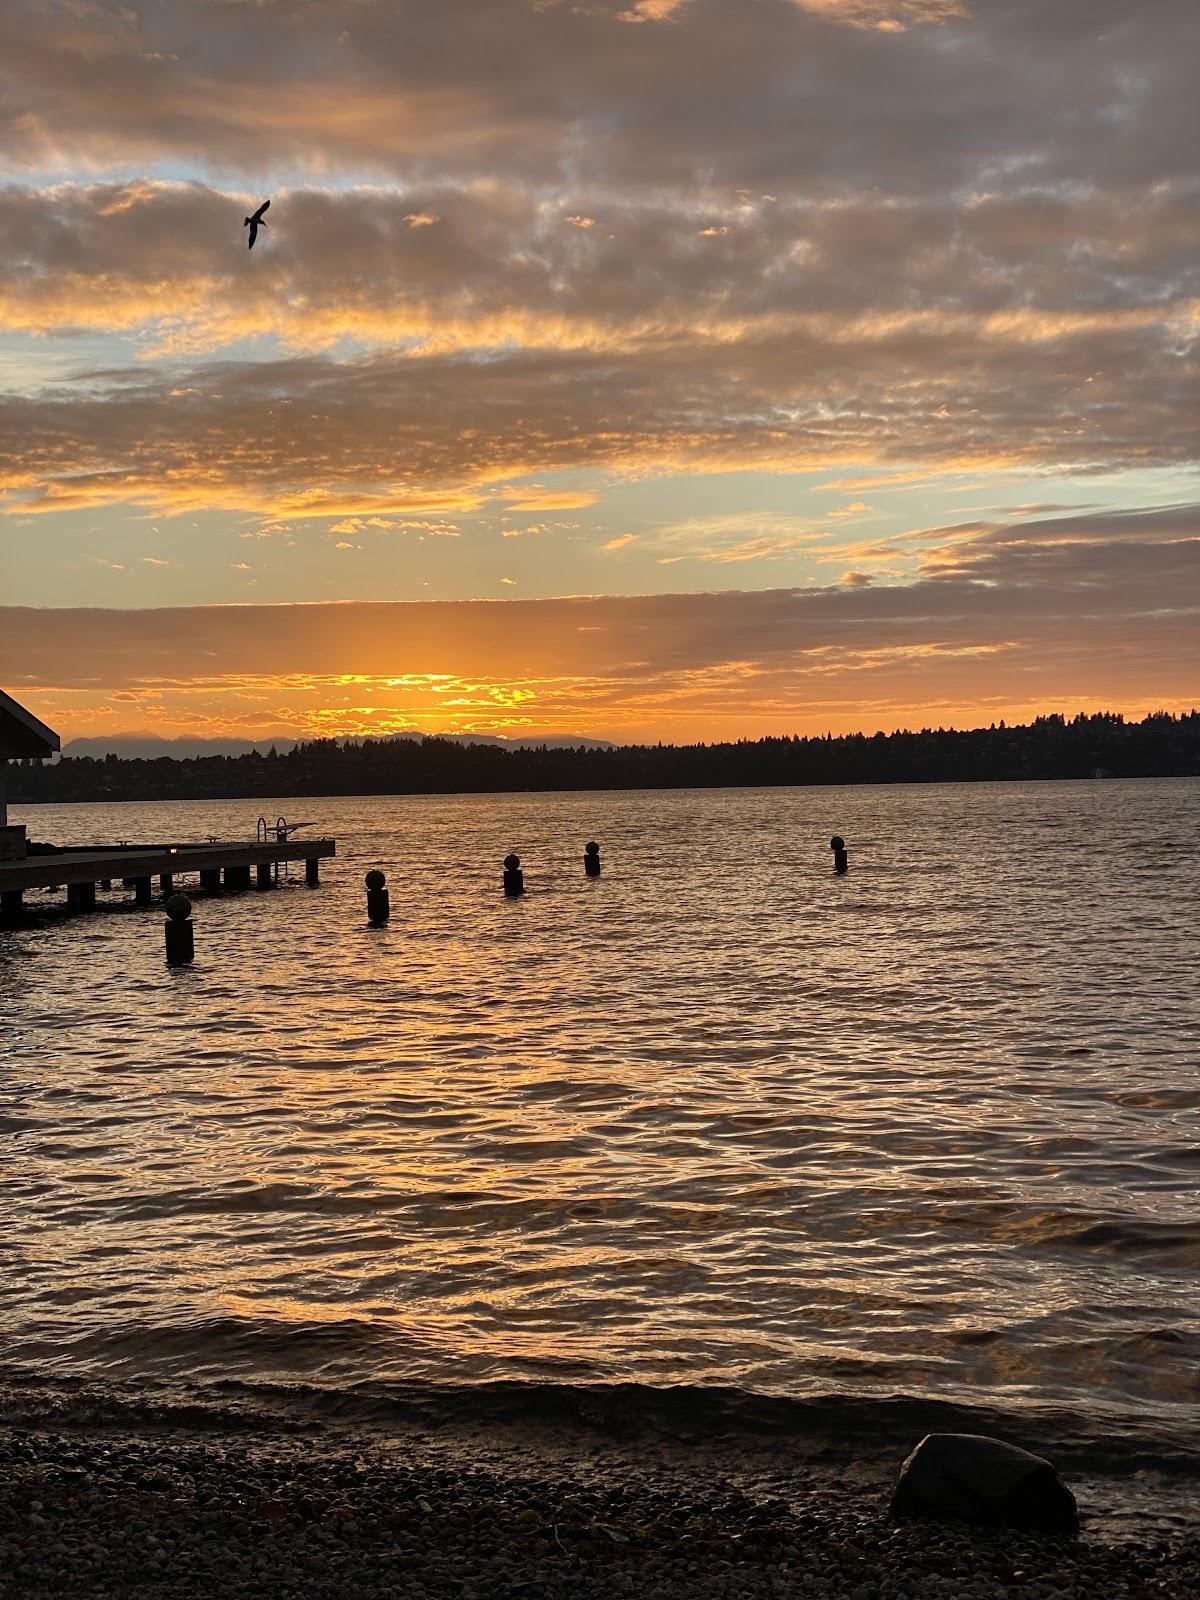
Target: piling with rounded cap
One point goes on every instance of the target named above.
(591, 859)
(379, 905)
(840, 859)
(180, 938)
(514, 878)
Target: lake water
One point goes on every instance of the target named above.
(719, 1118)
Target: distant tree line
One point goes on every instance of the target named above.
(1104, 745)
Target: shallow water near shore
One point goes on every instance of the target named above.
(719, 1120)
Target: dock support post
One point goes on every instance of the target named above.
(236, 878)
(379, 904)
(81, 897)
(142, 891)
(166, 883)
(180, 937)
(210, 880)
(12, 906)
(263, 871)
(312, 871)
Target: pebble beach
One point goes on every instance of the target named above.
(97, 1514)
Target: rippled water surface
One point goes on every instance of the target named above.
(718, 1117)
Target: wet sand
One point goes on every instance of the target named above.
(482, 1516)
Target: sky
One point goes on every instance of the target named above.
(645, 369)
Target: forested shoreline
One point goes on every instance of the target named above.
(1162, 745)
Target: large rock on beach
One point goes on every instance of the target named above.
(967, 1477)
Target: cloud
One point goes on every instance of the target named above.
(1016, 326)
(1018, 267)
(388, 436)
(652, 10)
(815, 94)
(856, 508)
(733, 537)
(887, 15)
(1081, 612)
(439, 528)
(890, 240)
(538, 499)
(538, 528)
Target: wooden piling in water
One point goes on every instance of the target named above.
(379, 905)
(180, 938)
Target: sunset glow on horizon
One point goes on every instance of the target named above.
(640, 369)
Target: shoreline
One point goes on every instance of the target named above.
(270, 798)
(486, 1513)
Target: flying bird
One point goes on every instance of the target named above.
(255, 222)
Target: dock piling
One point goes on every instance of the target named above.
(12, 906)
(312, 872)
(81, 897)
(591, 859)
(142, 891)
(263, 875)
(180, 938)
(379, 905)
(514, 878)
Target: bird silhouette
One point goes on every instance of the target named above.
(255, 222)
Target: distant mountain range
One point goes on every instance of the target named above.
(149, 747)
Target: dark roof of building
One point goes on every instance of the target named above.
(21, 734)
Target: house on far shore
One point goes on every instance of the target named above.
(21, 736)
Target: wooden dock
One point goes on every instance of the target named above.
(228, 866)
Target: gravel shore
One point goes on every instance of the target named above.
(95, 1514)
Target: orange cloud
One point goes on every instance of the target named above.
(889, 16)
